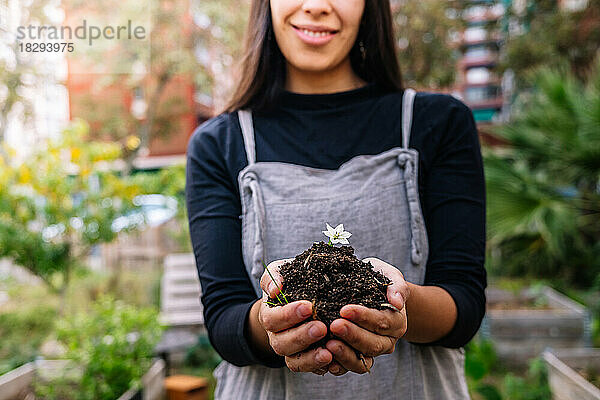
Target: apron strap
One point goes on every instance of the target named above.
(245, 117)
(407, 111)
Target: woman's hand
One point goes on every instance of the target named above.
(288, 336)
(367, 331)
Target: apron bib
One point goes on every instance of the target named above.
(284, 209)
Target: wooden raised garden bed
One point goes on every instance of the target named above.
(16, 384)
(522, 325)
(574, 373)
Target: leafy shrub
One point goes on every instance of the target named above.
(482, 370)
(534, 386)
(480, 360)
(202, 355)
(113, 344)
(542, 187)
(34, 323)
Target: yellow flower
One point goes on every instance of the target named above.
(132, 143)
(24, 175)
(75, 153)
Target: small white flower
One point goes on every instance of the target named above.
(132, 337)
(337, 234)
(108, 340)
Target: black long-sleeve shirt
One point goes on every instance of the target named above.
(324, 131)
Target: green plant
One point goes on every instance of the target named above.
(480, 360)
(542, 187)
(483, 370)
(59, 202)
(281, 299)
(551, 37)
(30, 322)
(202, 355)
(112, 343)
(534, 386)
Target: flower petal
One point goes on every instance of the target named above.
(339, 229)
(343, 241)
(345, 235)
(330, 229)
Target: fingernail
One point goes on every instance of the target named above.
(343, 331)
(321, 356)
(303, 311)
(350, 314)
(270, 288)
(314, 332)
(337, 349)
(398, 296)
(335, 369)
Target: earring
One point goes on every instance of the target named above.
(363, 51)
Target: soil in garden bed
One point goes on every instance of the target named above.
(592, 375)
(331, 277)
(523, 303)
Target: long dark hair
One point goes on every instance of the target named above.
(263, 68)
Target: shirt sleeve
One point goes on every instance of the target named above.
(454, 212)
(215, 227)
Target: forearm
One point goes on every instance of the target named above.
(431, 313)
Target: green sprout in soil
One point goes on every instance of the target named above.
(285, 300)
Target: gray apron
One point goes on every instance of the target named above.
(284, 209)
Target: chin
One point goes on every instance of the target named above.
(313, 64)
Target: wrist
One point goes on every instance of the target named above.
(257, 336)
(430, 313)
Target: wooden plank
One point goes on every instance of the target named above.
(181, 275)
(187, 302)
(519, 334)
(16, 381)
(153, 381)
(178, 260)
(192, 288)
(565, 383)
(182, 318)
(181, 291)
(557, 299)
(579, 357)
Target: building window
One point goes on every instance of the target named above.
(482, 93)
(478, 51)
(478, 75)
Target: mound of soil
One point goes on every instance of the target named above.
(331, 277)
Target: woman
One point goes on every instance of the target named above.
(321, 130)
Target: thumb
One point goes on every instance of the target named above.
(399, 291)
(271, 280)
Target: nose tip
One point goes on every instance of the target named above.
(316, 7)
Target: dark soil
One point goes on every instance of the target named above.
(331, 277)
(591, 375)
(520, 304)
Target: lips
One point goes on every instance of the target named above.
(315, 29)
(315, 34)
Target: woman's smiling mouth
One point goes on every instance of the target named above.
(314, 35)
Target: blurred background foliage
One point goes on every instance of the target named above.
(543, 183)
(423, 29)
(112, 344)
(554, 39)
(61, 201)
